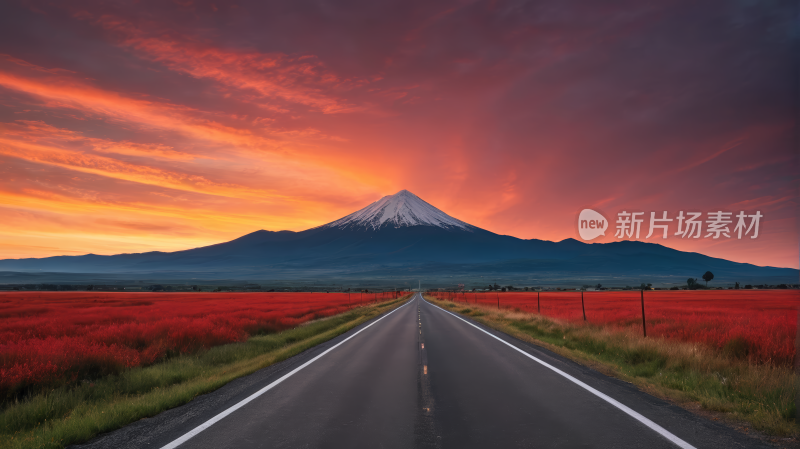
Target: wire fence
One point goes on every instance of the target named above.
(763, 322)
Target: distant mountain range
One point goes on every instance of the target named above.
(401, 237)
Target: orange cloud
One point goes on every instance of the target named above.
(105, 166)
(61, 92)
(278, 147)
(39, 131)
(301, 80)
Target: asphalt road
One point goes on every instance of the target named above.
(423, 377)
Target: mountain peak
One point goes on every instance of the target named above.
(403, 209)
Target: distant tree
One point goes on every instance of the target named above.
(598, 286)
(691, 283)
(645, 286)
(748, 286)
(503, 289)
(708, 276)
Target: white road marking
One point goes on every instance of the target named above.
(258, 393)
(662, 431)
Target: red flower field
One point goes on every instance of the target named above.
(51, 337)
(758, 324)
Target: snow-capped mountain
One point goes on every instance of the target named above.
(401, 235)
(403, 209)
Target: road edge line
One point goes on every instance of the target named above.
(634, 414)
(192, 433)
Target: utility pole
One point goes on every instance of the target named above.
(583, 307)
(644, 323)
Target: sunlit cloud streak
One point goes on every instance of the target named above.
(303, 79)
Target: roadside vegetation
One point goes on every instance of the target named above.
(75, 413)
(694, 375)
(52, 339)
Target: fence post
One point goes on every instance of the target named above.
(644, 323)
(583, 307)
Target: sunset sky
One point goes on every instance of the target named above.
(142, 126)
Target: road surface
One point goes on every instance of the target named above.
(422, 377)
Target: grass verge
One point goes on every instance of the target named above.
(762, 396)
(71, 415)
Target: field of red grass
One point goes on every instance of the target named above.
(760, 325)
(54, 337)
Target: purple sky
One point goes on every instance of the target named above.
(169, 125)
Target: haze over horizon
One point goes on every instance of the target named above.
(135, 128)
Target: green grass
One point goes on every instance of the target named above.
(75, 414)
(719, 381)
